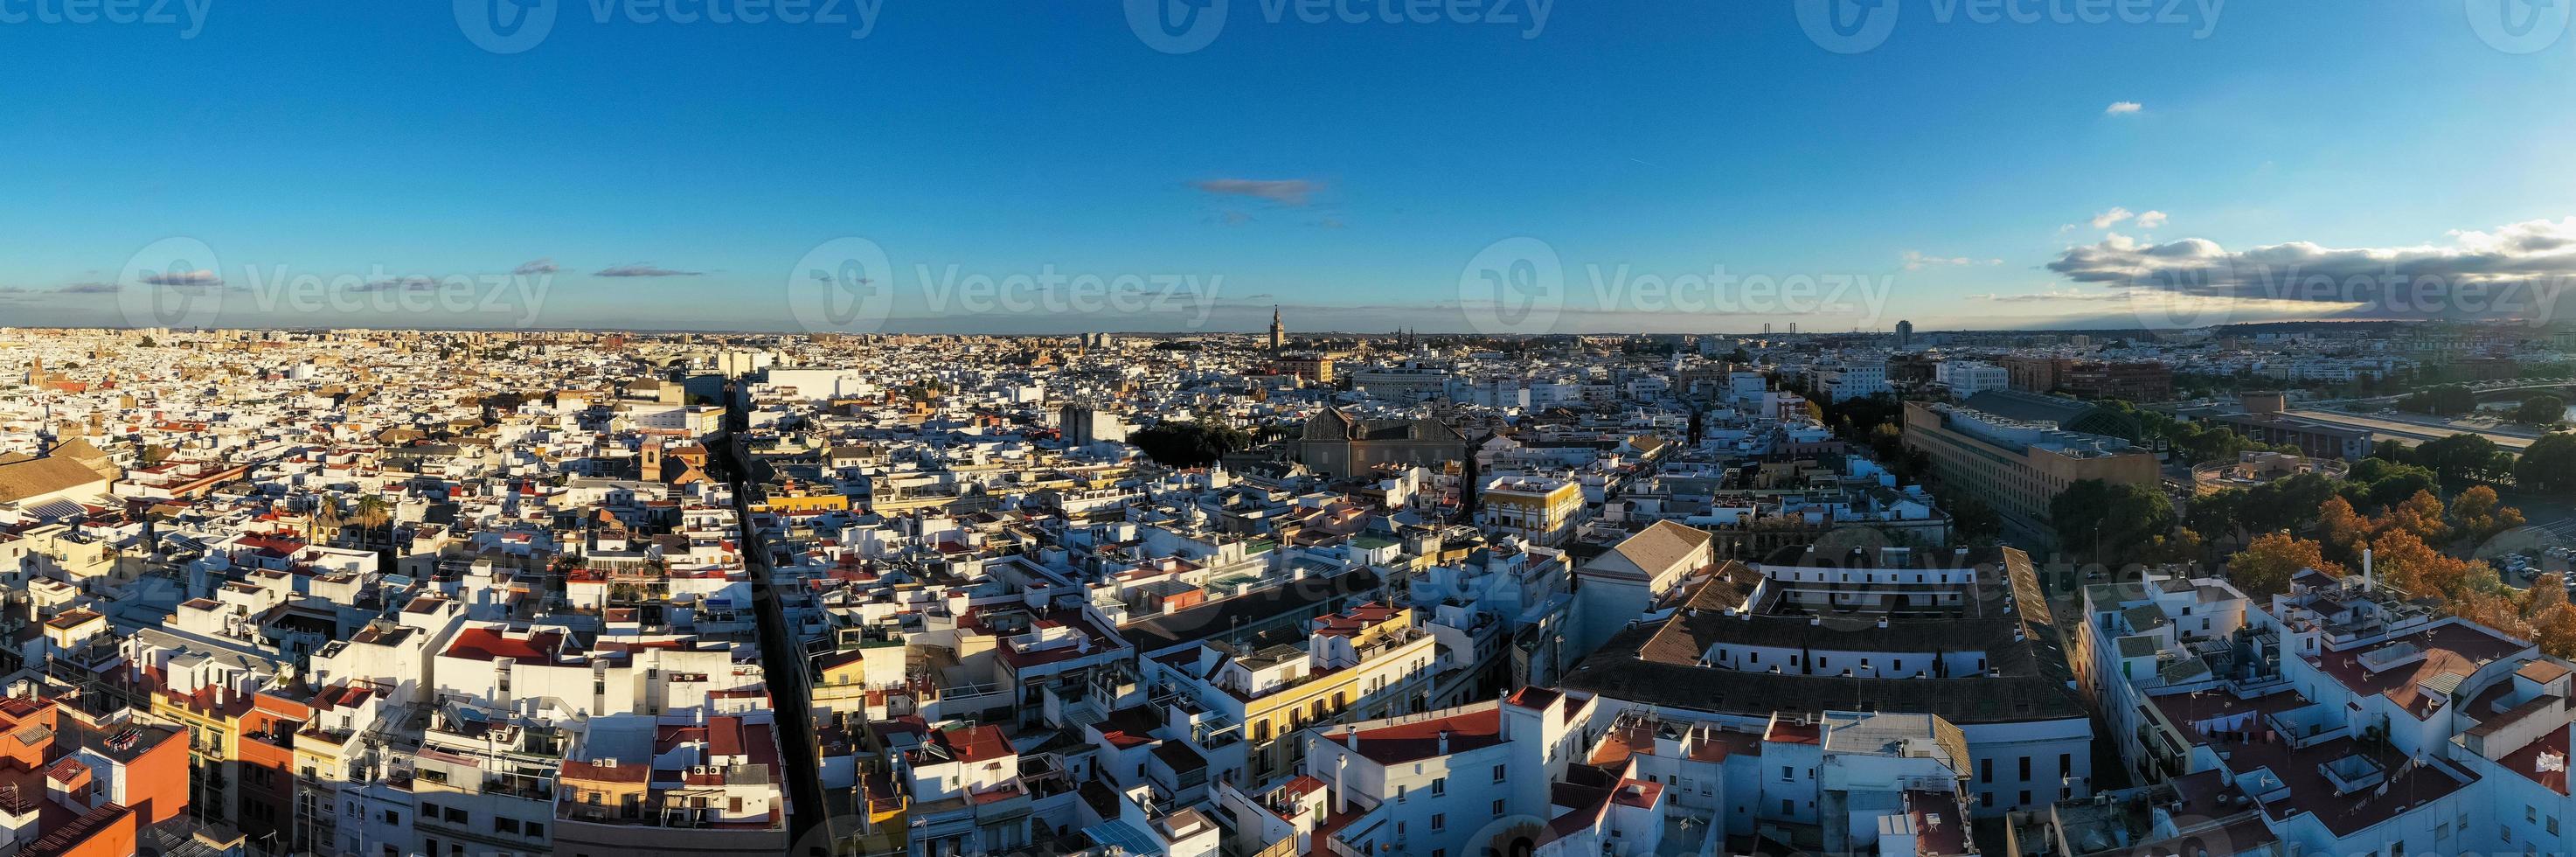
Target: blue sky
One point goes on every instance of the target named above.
(1352, 171)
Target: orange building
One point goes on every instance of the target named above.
(128, 774)
(266, 752)
(108, 831)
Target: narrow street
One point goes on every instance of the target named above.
(782, 655)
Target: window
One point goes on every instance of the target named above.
(2066, 764)
(2529, 814)
(454, 814)
(1498, 807)
(393, 817)
(1788, 773)
(1439, 786)
(1985, 770)
(1439, 821)
(1498, 773)
(2025, 770)
(1788, 807)
(536, 830)
(2025, 797)
(505, 825)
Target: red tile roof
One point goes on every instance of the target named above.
(1406, 742)
(485, 644)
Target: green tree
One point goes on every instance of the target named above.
(1971, 519)
(2377, 483)
(2219, 515)
(2549, 465)
(2113, 519)
(2540, 410)
(2463, 458)
(1189, 444)
(2181, 547)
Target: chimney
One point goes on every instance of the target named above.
(1444, 741)
(2367, 582)
(1341, 799)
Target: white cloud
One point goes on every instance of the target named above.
(2151, 220)
(2115, 215)
(2123, 108)
(2515, 271)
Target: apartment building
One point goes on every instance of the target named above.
(2019, 466)
(1365, 662)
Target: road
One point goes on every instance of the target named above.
(782, 655)
(2405, 430)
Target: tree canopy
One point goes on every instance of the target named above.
(2263, 569)
(2116, 519)
(2541, 410)
(2549, 465)
(1189, 444)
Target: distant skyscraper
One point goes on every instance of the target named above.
(1278, 333)
(1904, 335)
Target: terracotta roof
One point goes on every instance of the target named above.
(26, 479)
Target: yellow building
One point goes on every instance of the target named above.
(1361, 664)
(1541, 511)
(796, 497)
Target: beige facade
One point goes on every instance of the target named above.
(2018, 467)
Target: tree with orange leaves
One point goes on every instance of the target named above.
(2263, 568)
(2342, 531)
(2481, 515)
(2555, 630)
(2422, 516)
